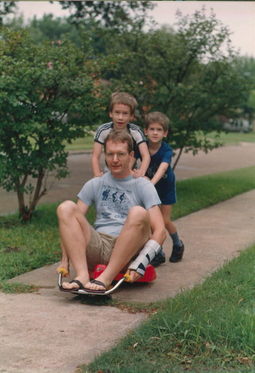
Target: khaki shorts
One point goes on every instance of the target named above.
(99, 248)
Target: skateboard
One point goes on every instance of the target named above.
(149, 276)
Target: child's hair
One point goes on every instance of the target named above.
(157, 117)
(120, 136)
(125, 99)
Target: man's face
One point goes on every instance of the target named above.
(118, 158)
(121, 116)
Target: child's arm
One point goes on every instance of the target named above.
(160, 172)
(96, 155)
(145, 160)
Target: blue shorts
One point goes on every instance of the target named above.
(167, 191)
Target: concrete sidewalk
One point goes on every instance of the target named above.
(54, 332)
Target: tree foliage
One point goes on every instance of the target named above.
(51, 91)
(46, 98)
(117, 15)
(6, 7)
(189, 74)
(51, 28)
(246, 67)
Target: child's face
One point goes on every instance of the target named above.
(155, 132)
(121, 116)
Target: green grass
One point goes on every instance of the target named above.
(233, 138)
(207, 329)
(200, 192)
(81, 144)
(230, 138)
(24, 247)
(16, 287)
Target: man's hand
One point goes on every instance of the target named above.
(132, 275)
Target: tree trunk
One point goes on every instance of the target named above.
(26, 212)
(38, 193)
(178, 157)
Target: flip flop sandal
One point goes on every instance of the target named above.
(81, 287)
(83, 291)
(97, 282)
(101, 292)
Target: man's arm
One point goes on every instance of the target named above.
(150, 249)
(96, 155)
(82, 206)
(158, 232)
(145, 160)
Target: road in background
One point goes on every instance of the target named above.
(79, 163)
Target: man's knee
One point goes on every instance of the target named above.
(138, 215)
(66, 209)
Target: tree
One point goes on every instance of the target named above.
(50, 28)
(47, 96)
(189, 74)
(103, 20)
(117, 15)
(246, 66)
(6, 7)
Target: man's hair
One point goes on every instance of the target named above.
(157, 117)
(125, 99)
(120, 136)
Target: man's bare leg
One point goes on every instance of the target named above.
(75, 235)
(134, 234)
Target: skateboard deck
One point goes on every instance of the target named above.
(149, 276)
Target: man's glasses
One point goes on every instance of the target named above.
(119, 155)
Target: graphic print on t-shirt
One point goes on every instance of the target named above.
(114, 202)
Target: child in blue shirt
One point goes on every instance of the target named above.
(162, 176)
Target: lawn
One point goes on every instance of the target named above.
(81, 144)
(233, 138)
(207, 329)
(230, 138)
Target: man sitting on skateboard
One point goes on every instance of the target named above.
(128, 223)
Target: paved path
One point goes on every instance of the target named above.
(54, 332)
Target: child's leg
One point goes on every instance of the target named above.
(178, 246)
(161, 257)
(166, 211)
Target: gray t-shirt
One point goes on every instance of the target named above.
(114, 197)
